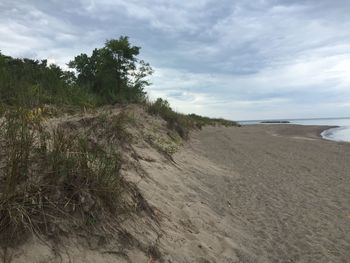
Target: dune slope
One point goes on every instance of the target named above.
(263, 193)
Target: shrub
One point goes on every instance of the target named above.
(182, 123)
(202, 121)
(175, 121)
(32, 83)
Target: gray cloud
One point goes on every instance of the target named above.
(237, 59)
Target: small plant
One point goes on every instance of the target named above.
(110, 127)
(117, 127)
(166, 146)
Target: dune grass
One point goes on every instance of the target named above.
(50, 177)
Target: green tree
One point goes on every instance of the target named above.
(114, 72)
(28, 82)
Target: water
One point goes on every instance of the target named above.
(342, 133)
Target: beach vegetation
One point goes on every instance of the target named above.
(67, 174)
(54, 179)
(183, 123)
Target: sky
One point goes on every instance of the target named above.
(237, 59)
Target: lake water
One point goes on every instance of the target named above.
(342, 133)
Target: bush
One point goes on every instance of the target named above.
(202, 121)
(176, 121)
(182, 123)
(32, 83)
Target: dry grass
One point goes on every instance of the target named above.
(53, 181)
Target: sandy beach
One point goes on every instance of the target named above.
(175, 131)
(260, 193)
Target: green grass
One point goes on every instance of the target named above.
(183, 123)
(203, 121)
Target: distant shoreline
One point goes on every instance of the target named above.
(300, 130)
(331, 134)
(294, 120)
(275, 122)
(337, 129)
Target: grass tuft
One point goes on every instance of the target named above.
(50, 179)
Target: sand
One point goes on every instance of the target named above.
(260, 193)
(263, 193)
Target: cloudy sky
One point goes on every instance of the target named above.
(237, 59)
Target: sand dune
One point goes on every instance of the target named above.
(263, 193)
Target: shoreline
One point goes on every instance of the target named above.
(329, 132)
(332, 134)
(338, 128)
(325, 131)
(302, 130)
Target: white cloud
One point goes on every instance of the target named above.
(235, 59)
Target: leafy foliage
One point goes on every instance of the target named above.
(32, 83)
(113, 72)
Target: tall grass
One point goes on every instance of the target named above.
(52, 177)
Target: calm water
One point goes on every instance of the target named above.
(336, 134)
